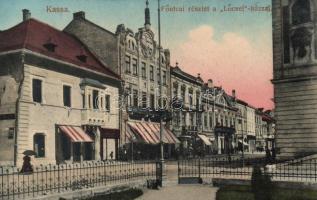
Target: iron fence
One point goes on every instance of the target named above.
(298, 170)
(60, 178)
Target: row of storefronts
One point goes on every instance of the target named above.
(71, 97)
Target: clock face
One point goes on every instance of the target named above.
(147, 44)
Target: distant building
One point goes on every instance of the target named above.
(295, 79)
(264, 130)
(219, 118)
(56, 97)
(246, 126)
(186, 113)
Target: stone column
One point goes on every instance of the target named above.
(186, 95)
(178, 90)
(97, 144)
(219, 144)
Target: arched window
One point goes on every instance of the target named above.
(301, 12)
(39, 145)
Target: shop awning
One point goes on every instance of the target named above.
(149, 133)
(205, 139)
(75, 133)
(110, 133)
(246, 144)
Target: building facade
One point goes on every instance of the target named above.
(186, 110)
(219, 118)
(295, 80)
(57, 97)
(142, 65)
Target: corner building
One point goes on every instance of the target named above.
(295, 76)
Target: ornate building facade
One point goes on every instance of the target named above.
(186, 113)
(219, 118)
(295, 79)
(135, 57)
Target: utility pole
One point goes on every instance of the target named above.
(161, 96)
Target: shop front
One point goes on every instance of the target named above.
(225, 139)
(73, 144)
(109, 143)
(144, 140)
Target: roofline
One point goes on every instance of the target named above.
(23, 50)
(190, 77)
(93, 54)
(31, 18)
(96, 25)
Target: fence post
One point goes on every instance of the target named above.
(178, 171)
(58, 178)
(199, 168)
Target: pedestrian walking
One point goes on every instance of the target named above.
(26, 167)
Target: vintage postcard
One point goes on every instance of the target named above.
(158, 99)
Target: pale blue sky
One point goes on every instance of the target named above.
(175, 26)
(250, 33)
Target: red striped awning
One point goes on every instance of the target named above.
(75, 133)
(149, 133)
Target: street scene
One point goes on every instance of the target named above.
(156, 99)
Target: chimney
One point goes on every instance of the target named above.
(210, 83)
(79, 15)
(26, 14)
(234, 93)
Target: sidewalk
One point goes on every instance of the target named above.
(183, 192)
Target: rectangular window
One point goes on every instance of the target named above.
(286, 36)
(127, 64)
(144, 100)
(11, 133)
(95, 94)
(39, 145)
(67, 95)
(107, 102)
(205, 120)
(191, 100)
(158, 76)
(84, 100)
(151, 73)
(175, 88)
(143, 70)
(152, 101)
(183, 93)
(198, 100)
(135, 66)
(135, 97)
(176, 118)
(37, 90)
(210, 122)
(164, 78)
(184, 118)
(129, 96)
(89, 101)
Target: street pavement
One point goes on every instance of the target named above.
(182, 192)
(171, 190)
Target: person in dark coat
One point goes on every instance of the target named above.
(26, 167)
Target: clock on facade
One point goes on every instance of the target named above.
(147, 44)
